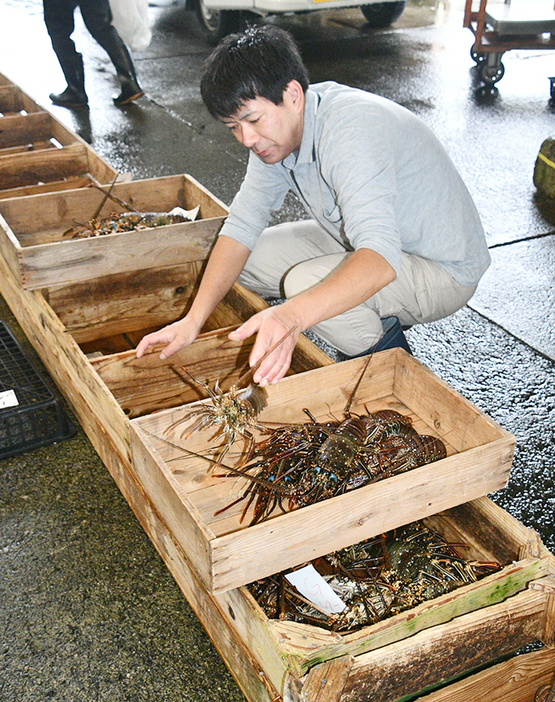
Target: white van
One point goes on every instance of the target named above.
(220, 17)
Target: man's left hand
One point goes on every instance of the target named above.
(271, 326)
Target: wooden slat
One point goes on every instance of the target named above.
(446, 651)
(190, 528)
(75, 159)
(196, 194)
(326, 681)
(116, 254)
(142, 386)
(492, 533)
(25, 129)
(13, 100)
(99, 308)
(9, 248)
(52, 186)
(24, 148)
(10, 101)
(515, 680)
(41, 167)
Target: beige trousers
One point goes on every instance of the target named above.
(294, 256)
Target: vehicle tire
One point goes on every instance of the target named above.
(382, 14)
(215, 24)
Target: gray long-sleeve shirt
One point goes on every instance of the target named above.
(374, 176)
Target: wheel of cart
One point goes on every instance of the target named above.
(477, 55)
(491, 68)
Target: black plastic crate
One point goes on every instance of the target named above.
(30, 414)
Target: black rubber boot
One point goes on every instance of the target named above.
(74, 95)
(130, 88)
(393, 337)
(98, 20)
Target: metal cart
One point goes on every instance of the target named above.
(502, 26)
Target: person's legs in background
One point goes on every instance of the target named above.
(60, 23)
(98, 20)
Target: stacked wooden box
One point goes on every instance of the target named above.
(85, 303)
(38, 153)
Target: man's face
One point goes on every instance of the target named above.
(270, 131)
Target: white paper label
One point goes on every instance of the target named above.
(8, 398)
(312, 585)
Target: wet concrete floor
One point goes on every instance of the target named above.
(87, 608)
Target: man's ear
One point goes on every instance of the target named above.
(295, 94)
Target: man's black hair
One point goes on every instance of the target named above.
(259, 62)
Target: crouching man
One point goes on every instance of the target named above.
(393, 238)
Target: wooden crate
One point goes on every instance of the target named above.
(47, 170)
(400, 658)
(33, 132)
(32, 231)
(406, 670)
(407, 655)
(276, 661)
(38, 153)
(227, 553)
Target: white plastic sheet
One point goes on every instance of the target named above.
(130, 18)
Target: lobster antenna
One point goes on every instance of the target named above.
(206, 387)
(108, 194)
(257, 364)
(352, 396)
(233, 471)
(353, 393)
